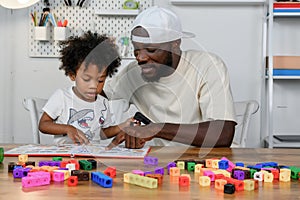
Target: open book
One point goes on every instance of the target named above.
(94, 150)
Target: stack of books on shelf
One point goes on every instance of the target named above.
(286, 8)
(286, 65)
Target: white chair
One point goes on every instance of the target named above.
(34, 105)
(244, 110)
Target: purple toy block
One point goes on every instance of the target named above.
(20, 172)
(159, 170)
(149, 160)
(170, 164)
(239, 174)
(147, 172)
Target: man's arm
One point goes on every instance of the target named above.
(217, 133)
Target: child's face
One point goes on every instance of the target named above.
(89, 82)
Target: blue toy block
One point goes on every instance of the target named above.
(240, 164)
(223, 164)
(102, 180)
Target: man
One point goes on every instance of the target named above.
(186, 94)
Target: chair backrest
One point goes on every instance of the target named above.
(34, 105)
(244, 110)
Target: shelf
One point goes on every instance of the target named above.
(120, 12)
(285, 77)
(221, 2)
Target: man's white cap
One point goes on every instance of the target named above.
(162, 25)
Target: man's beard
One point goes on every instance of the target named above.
(162, 71)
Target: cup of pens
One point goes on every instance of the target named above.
(61, 33)
(42, 33)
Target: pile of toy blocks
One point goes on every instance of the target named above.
(59, 170)
(224, 174)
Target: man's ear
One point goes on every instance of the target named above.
(72, 77)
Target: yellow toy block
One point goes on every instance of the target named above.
(198, 167)
(180, 164)
(285, 175)
(140, 180)
(268, 177)
(215, 164)
(249, 184)
(23, 158)
(204, 181)
(66, 173)
(224, 172)
(208, 163)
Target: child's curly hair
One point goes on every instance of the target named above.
(90, 48)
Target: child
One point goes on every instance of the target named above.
(77, 114)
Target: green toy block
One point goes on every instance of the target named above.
(191, 166)
(86, 165)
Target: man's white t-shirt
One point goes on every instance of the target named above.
(198, 91)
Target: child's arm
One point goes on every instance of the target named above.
(112, 131)
(48, 126)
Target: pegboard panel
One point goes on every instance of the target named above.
(82, 19)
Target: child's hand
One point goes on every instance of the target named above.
(76, 135)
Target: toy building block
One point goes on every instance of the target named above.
(21, 164)
(70, 167)
(204, 181)
(208, 163)
(240, 164)
(295, 172)
(20, 172)
(252, 172)
(138, 172)
(231, 165)
(170, 164)
(34, 181)
(1, 154)
(239, 185)
(58, 176)
(184, 181)
(82, 175)
(222, 171)
(23, 158)
(140, 180)
(159, 177)
(198, 167)
(150, 160)
(268, 177)
(86, 165)
(102, 180)
(180, 164)
(258, 176)
(215, 163)
(249, 184)
(57, 158)
(11, 166)
(174, 171)
(187, 175)
(159, 170)
(110, 171)
(32, 163)
(219, 184)
(229, 188)
(93, 162)
(210, 174)
(72, 181)
(191, 166)
(285, 175)
(239, 174)
(147, 172)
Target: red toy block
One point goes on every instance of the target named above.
(219, 176)
(184, 181)
(73, 181)
(110, 171)
(219, 184)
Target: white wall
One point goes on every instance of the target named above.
(232, 32)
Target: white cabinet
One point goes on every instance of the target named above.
(282, 38)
